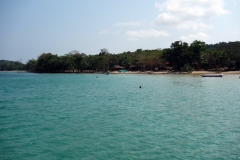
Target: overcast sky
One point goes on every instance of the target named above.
(31, 27)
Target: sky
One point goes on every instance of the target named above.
(29, 28)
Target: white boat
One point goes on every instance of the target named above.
(212, 75)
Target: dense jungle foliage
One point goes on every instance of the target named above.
(179, 57)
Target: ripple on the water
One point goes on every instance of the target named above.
(70, 116)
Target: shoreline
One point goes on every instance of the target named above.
(17, 71)
(139, 72)
(167, 72)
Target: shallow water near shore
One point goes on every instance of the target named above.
(97, 116)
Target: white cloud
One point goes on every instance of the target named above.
(104, 32)
(194, 26)
(167, 18)
(128, 24)
(199, 36)
(177, 12)
(151, 33)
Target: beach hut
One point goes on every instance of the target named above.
(117, 67)
(133, 67)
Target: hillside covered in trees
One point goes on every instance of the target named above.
(11, 65)
(181, 56)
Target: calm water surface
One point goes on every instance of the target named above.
(79, 116)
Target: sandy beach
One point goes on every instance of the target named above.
(215, 72)
(150, 72)
(168, 72)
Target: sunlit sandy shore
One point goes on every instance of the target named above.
(168, 72)
(149, 72)
(211, 72)
(15, 71)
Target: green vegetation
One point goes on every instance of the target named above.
(11, 65)
(179, 57)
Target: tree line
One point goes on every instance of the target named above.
(181, 56)
(11, 65)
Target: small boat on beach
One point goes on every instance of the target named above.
(212, 75)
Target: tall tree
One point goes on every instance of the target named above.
(197, 48)
(177, 54)
(31, 65)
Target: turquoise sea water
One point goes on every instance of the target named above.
(79, 116)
